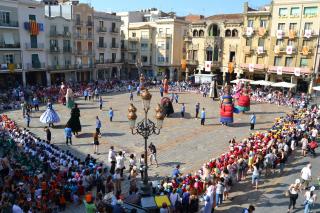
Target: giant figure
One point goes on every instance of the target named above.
(226, 107)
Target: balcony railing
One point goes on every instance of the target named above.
(78, 22)
(102, 29)
(89, 23)
(80, 66)
(39, 65)
(61, 67)
(108, 61)
(164, 35)
(247, 50)
(114, 30)
(78, 36)
(133, 39)
(66, 34)
(9, 24)
(89, 36)
(187, 38)
(7, 66)
(34, 46)
(114, 46)
(192, 62)
(78, 52)
(9, 46)
(101, 45)
(67, 49)
(54, 49)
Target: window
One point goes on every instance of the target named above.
(277, 60)
(35, 61)
(4, 17)
(32, 17)
(161, 45)
(167, 46)
(113, 26)
(65, 29)
(250, 23)
(101, 41)
(101, 24)
(281, 26)
(279, 42)
(283, 11)
(310, 11)
(260, 60)
(248, 41)
(195, 55)
(33, 41)
(261, 42)
(8, 58)
(216, 53)
(195, 33)
(293, 26)
(209, 54)
(308, 26)
(214, 30)
(114, 57)
(101, 57)
(168, 31)
(53, 29)
(134, 35)
(234, 33)
(144, 34)
(66, 44)
(89, 19)
(113, 43)
(306, 42)
(263, 23)
(303, 62)
(78, 18)
(290, 43)
(160, 30)
(295, 11)
(228, 33)
(247, 59)
(144, 59)
(53, 43)
(201, 33)
(289, 61)
(144, 46)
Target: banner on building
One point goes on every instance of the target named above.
(289, 50)
(279, 34)
(297, 71)
(279, 70)
(260, 50)
(307, 33)
(183, 64)
(11, 67)
(251, 67)
(249, 31)
(207, 66)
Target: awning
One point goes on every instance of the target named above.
(8, 38)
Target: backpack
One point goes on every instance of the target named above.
(245, 210)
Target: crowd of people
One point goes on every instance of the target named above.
(38, 176)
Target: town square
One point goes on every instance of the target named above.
(163, 109)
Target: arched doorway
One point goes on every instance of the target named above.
(167, 73)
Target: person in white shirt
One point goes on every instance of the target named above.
(304, 142)
(306, 175)
(120, 163)
(16, 209)
(314, 133)
(112, 159)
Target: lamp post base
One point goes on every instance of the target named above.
(146, 190)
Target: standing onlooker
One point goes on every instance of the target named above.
(142, 165)
(131, 96)
(132, 163)
(282, 159)
(48, 133)
(203, 116)
(161, 91)
(112, 159)
(27, 118)
(95, 143)
(110, 114)
(68, 134)
(98, 126)
(306, 175)
(153, 153)
(304, 147)
(100, 102)
(314, 133)
(183, 110)
(35, 102)
(85, 94)
(90, 94)
(176, 97)
(197, 110)
(252, 121)
(255, 175)
(293, 194)
(311, 197)
(120, 163)
(219, 192)
(174, 200)
(96, 93)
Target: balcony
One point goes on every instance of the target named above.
(291, 50)
(108, 61)
(187, 39)
(248, 31)
(261, 50)
(133, 39)
(114, 46)
(78, 23)
(262, 31)
(132, 61)
(35, 66)
(54, 34)
(193, 47)
(61, 67)
(101, 45)
(9, 46)
(192, 62)
(290, 70)
(67, 50)
(132, 49)
(79, 52)
(101, 30)
(279, 49)
(164, 35)
(114, 30)
(78, 36)
(66, 35)
(8, 67)
(9, 23)
(38, 46)
(89, 23)
(216, 64)
(306, 50)
(89, 36)
(84, 66)
(54, 49)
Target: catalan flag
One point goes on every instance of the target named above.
(34, 28)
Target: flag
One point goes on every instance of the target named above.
(260, 50)
(289, 50)
(279, 70)
(183, 64)
(279, 34)
(251, 67)
(34, 28)
(249, 31)
(11, 67)
(307, 33)
(297, 71)
(230, 67)
(207, 66)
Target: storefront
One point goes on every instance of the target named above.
(8, 79)
(36, 78)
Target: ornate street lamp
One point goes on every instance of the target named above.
(145, 128)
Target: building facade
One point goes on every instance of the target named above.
(107, 46)
(255, 42)
(11, 71)
(294, 36)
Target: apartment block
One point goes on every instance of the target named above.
(294, 37)
(108, 61)
(255, 42)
